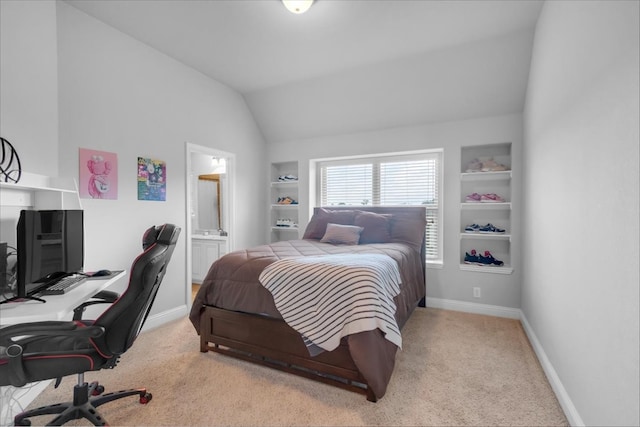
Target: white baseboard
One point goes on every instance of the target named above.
(160, 319)
(563, 397)
(472, 307)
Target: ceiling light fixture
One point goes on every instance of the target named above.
(297, 6)
(219, 165)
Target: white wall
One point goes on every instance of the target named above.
(118, 95)
(449, 283)
(101, 89)
(29, 83)
(580, 283)
(483, 78)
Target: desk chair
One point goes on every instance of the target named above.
(45, 350)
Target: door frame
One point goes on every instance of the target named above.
(228, 210)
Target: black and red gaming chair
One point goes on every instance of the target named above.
(45, 350)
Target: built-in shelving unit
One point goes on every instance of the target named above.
(284, 201)
(40, 192)
(486, 170)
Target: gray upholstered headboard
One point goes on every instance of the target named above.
(407, 223)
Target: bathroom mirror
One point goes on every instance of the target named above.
(209, 191)
(209, 212)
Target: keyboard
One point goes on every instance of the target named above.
(64, 285)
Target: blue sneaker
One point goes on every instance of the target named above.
(490, 228)
(473, 228)
(472, 258)
(488, 259)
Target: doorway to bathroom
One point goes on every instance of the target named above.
(209, 210)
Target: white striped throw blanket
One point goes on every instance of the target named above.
(330, 296)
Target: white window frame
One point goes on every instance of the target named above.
(435, 211)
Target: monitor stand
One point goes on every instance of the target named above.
(31, 297)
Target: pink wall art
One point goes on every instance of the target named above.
(98, 174)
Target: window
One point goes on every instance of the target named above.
(404, 179)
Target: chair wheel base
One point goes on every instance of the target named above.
(82, 405)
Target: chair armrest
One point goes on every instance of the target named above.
(50, 328)
(107, 296)
(11, 350)
(102, 297)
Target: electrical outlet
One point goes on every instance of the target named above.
(476, 292)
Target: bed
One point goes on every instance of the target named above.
(236, 315)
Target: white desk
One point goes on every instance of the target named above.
(57, 307)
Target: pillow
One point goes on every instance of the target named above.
(376, 227)
(318, 223)
(409, 230)
(342, 234)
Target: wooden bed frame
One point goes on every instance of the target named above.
(273, 343)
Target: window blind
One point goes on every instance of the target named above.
(390, 180)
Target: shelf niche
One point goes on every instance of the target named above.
(486, 180)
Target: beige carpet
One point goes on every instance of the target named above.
(455, 369)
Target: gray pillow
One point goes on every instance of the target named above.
(342, 234)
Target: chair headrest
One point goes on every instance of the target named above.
(150, 236)
(169, 234)
(166, 234)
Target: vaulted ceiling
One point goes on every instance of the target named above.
(345, 65)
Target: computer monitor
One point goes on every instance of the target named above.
(49, 243)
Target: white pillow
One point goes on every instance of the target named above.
(342, 234)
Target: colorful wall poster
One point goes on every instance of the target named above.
(152, 179)
(98, 174)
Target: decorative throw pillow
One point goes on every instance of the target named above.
(318, 223)
(342, 234)
(376, 227)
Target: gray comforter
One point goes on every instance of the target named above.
(232, 284)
